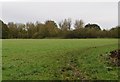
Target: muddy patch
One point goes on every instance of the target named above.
(113, 58)
(71, 70)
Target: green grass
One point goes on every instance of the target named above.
(57, 59)
(0, 59)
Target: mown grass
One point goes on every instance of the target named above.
(57, 59)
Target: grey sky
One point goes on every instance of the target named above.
(103, 13)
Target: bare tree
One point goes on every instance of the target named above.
(78, 24)
(66, 24)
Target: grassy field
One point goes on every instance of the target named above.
(57, 59)
(0, 59)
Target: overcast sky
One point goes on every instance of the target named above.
(104, 14)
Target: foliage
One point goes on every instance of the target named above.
(4, 31)
(93, 26)
(50, 29)
(78, 24)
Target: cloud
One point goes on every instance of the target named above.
(104, 13)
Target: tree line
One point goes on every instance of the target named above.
(50, 29)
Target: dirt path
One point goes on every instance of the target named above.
(71, 69)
